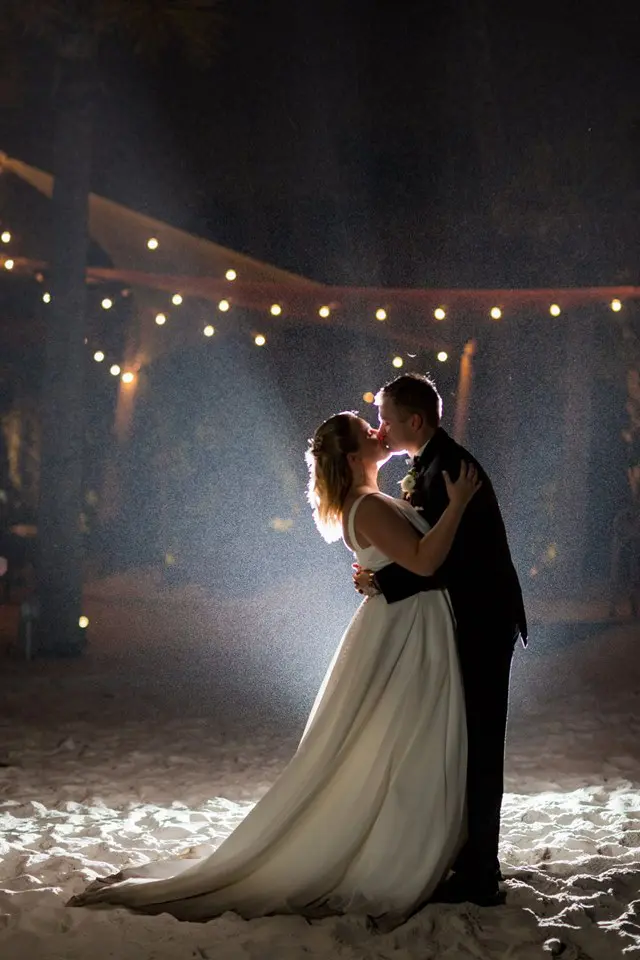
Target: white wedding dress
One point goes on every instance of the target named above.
(369, 814)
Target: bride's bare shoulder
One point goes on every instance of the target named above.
(365, 498)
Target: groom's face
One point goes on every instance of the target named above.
(395, 429)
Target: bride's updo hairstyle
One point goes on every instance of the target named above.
(330, 475)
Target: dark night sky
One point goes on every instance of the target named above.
(392, 141)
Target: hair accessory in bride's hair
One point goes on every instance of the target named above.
(316, 445)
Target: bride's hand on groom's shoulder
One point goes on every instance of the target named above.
(465, 487)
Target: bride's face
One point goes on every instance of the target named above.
(370, 446)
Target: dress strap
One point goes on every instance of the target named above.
(351, 522)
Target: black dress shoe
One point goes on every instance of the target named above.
(461, 889)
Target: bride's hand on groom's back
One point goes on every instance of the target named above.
(461, 491)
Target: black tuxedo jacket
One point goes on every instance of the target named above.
(478, 572)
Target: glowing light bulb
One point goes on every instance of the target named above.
(5, 236)
(398, 362)
(443, 356)
(127, 377)
(230, 275)
(115, 370)
(275, 310)
(83, 623)
(368, 397)
(381, 314)
(439, 313)
(223, 306)
(555, 310)
(106, 304)
(209, 330)
(259, 340)
(98, 356)
(46, 298)
(9, 264)
(152, 243)
(176, 299)
(161, 318)
(496, 313)
(324, 311)
(616, 306)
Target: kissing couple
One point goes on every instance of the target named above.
(392, 799)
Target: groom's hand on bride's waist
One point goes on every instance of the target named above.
(364, 581)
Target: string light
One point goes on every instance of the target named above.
(368, 397)
(5, 236)
(127, 377)
(83, 623)
(276, 310)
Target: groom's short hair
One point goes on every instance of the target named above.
(416, 393)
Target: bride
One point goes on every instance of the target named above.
(369, 814)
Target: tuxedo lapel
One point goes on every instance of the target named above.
(427, 467)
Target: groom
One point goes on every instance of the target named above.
(489, 612)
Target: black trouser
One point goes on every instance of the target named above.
(485, 661)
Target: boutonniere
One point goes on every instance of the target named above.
(408, 482)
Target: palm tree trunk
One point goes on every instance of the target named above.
(60, 560)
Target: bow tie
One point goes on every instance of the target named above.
(413, 461)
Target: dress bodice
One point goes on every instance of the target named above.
(371, 558)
